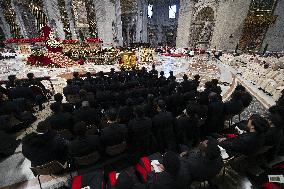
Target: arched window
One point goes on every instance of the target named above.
(172, 11)
(150, 11)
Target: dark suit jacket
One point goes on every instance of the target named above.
(113, 134)
(164, 180)
(8, 144)
(71, 90)
(246, 144)
(61, 121)
(163, 129)
(186, 129)
(125, 114)
(82, 146)
(201, 168)
(215, 118)
(88, 115)
(44, 148)
(22, 92)
(139, 132)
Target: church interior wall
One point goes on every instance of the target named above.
(229, 24)
(275, 35)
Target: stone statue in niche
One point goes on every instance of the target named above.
(206, 32)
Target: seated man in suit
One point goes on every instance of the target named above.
(42, 148)
(163, 128)
(12, 82)
(90, 116)
(89, 79)
(140, 133)
(71, 89)
(66, 107)
(8, 144)
(114, 133)
(33, 81)
(59, 120)
(205, 162)
(172, 174)
(249, 142)
(83, 144)
(77, 80)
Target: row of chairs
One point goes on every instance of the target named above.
(270, 80)
(55, 167)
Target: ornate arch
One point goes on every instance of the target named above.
(205, 14)
(203, 26)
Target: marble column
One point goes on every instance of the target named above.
(106, 21)
(184, 22)
(52, 12)
(229, 24)
(19, 19)
(4, 25)
(275, 35)
(118, 24)
(68, 6)
(142, 22)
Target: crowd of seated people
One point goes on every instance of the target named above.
(152, 114)
(18, 102)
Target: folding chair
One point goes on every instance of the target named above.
(50, 168)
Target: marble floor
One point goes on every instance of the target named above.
(17, 168)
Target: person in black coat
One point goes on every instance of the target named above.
(186, 125)
(171, 78)
(66, 107)
(126, 112)
(12, 82)
(176, 103)
(187, 85)
(162, 79)
(71, 89)
(8, 144)
(205, 162)
(126, 180)
(22, 92)
(153, 73)
(203, 96)
(163, 128)
(150, 107)
(33, 81)
(77, 80)
(215, 118)
(89, 79)
(234, 106)
(90, 116)
(139, 132)
(43, 148)
(83, 144)
(113, 133)
(249, 142)
(59, 120)
(174, 174)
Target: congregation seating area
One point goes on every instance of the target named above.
(267, 73)
(111, 120)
